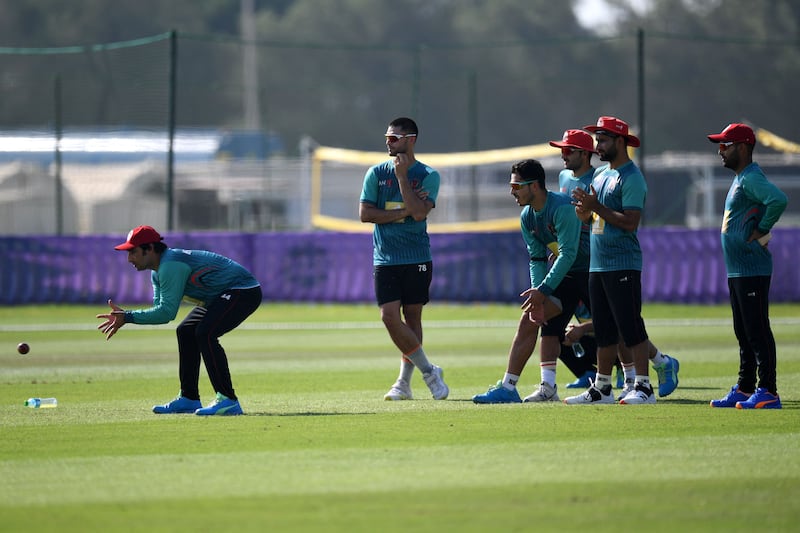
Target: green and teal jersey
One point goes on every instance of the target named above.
(752, 202)
(403, 242)
(554, 229)
(568, 182)
(197, 276)
(621, 189)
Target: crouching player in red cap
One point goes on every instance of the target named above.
(225, 294)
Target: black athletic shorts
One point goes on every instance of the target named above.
(408, 283)
(573, 288)
(617, 307)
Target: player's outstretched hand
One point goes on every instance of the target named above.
(113, 320)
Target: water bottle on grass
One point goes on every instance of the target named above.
(41, 403)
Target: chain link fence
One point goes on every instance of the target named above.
(161, 130)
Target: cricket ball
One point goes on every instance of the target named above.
(23, 348)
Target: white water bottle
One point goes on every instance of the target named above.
(578, 349)
(37, 403)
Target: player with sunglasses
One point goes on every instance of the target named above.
(550, 227)
(752, 207)
(577, 148)
(396, 197)
(613, 205)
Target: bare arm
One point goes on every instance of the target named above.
(375, 215)
(574, 332)
(415, 202)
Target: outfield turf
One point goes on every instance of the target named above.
(319, 449)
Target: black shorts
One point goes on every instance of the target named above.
(408, 283)
(573, 288)
(617, 307)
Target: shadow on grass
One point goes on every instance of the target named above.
(786, 404)
(307, 413)
(683, 401)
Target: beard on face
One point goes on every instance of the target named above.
(609, 155)
(731, 161)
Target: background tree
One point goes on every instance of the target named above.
(476, 74)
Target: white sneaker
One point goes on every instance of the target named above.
(628, 388)
(434, 380)
(545, 393)
(641, 394)
(591, 395)
(401, 390)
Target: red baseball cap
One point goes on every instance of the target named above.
(614, 126)
(736, 132)
(139, 236)
(575, 139)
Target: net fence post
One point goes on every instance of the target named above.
(57, 111)
(173, 68)
(640, 97)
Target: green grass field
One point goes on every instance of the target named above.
(319, 449)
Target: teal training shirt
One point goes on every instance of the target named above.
(621, 189)
(557, 229)
(197, 276)
(752, 202)
(567, 182)
(404, 242)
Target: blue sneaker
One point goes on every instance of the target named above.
(498, 394)
(761, 399)
(582, 382)
(731, 399)
(667, 376)
(222, 406)
(178, 405)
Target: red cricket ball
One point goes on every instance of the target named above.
(23, 348)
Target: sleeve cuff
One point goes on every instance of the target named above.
(544, 289)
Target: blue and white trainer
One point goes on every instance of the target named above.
(222, 406)
(667, 376)
(583, 381)
(179, 405)
(498, 394)
(620, 379)
(761, 399)
(730, 399)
